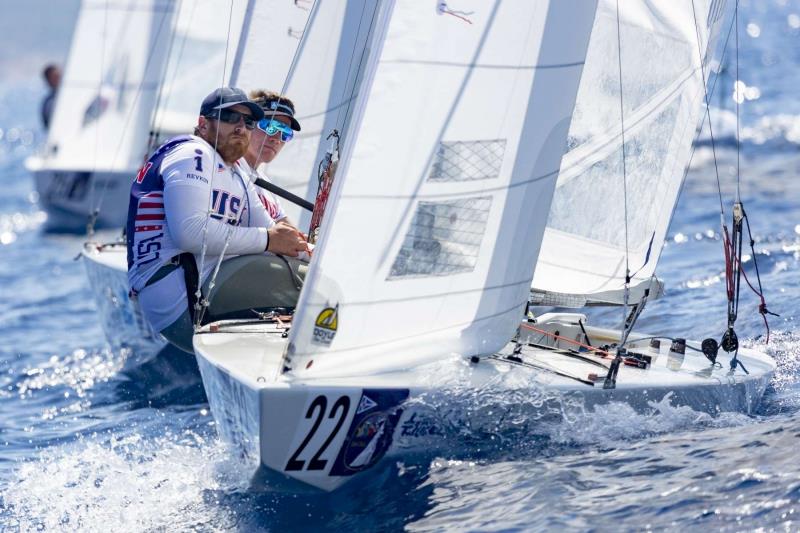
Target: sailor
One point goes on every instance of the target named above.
(52, 76)
(267, 140)
(190, 203)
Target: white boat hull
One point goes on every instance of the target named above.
(70, 196)
(324, 432)
(121, 317)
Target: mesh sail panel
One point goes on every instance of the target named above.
(444, 238)
(470, 160)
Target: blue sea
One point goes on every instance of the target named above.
(85, 447)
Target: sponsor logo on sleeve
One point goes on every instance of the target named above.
(197, 177)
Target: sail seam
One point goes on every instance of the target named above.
(453, 194)
(482, 65)
(525, 282)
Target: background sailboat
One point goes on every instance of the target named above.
(98, 133)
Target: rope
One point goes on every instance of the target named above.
(762, 307)
(604, 353)
(443, 9)
(568, 340)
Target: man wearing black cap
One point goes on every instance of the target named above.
(267, 140)
(175, 241)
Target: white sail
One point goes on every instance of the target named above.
(115, 67)
(583, 256)
(430, 237)
(201, 58)
(302, 53)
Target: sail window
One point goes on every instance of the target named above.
(444, 238)
(467, 160)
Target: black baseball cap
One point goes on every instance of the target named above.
(278, 107)
(227, 97)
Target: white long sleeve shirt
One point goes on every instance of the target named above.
(203, 201)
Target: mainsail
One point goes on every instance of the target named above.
(584, 252)
(444, 186)
(111, 79)
(312, 56)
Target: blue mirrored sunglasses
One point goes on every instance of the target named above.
(272, 127)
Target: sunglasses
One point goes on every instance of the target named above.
(272, 127)
(233, 117)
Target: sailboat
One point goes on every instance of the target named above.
(101, 119)
(450, 191)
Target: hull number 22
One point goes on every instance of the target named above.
(317, 411)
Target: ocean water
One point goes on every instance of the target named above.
(84, 447)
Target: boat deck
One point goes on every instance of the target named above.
(252, 352)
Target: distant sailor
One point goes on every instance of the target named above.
(267, 140)
(52, 76)
(174, 242)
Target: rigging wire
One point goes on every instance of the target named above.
(293, 66)
(739, 96)
(200, 303)
(159, 112)
(90, 224)
(289, 76)
(326, 169)
(732, 242)
(290, 72)
(129, 115)
(626, 294)
(708, 107)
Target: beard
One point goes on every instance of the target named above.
(231, 147)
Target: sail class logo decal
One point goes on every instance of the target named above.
(365, 404)
(326, 324)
